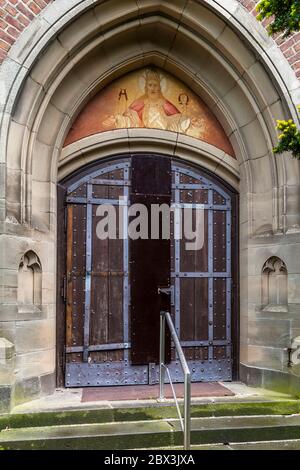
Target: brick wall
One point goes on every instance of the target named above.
(290, 46)
(15, 15)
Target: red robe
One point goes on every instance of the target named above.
(139, 106)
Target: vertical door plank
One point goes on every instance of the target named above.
(201, 309)
(61, 285)
(219, 289)
(69, 311)
(219, 222)
(100, 283)
(149, 259)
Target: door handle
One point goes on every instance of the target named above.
(167, 291)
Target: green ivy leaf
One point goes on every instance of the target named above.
(285, 15)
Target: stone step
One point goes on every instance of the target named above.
(292, 444)
(153, 433)
(289, 444)
(155, 411)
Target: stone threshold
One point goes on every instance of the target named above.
(71, 399)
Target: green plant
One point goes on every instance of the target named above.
(289, 139)
(284, 18)
(284, 14)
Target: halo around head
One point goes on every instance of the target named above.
(152, 73)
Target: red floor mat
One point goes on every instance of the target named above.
(145, 392)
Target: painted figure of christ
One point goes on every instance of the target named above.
(152, 110)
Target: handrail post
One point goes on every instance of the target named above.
(185, 423)
(187, 411)
(162, 355)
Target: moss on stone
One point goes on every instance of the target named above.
(109, 436)
(247, 409)
(145, 413)
(51, 418)
(54, 418)
(159, 439)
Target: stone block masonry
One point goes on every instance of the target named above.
(15, 15)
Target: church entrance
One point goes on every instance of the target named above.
(108, 287)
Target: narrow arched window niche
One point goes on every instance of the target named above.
(30, 283)
(274, 285)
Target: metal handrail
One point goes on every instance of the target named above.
(185, 422)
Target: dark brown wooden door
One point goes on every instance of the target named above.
(112, 304)
(150, 259)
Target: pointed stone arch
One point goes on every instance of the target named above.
(78, 61)
(274, 285)
(217, 49)
(29, 282)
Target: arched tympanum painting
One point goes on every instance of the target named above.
(110, 286)
(149, 98)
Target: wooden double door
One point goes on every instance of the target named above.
(108, 299)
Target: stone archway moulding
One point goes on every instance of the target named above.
(125, 141)
(98, 25)
(71, 51)
(58, 15)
